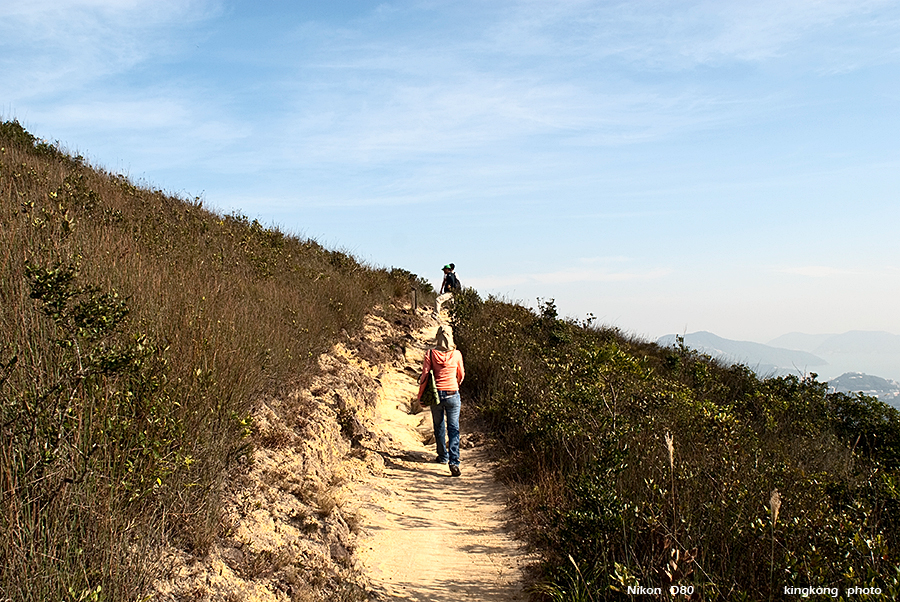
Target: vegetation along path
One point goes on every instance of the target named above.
(342, 502)
(427, 535)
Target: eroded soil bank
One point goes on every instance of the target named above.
(341, 501)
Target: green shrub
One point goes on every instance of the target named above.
(640, 465)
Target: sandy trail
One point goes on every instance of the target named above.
(427, 536)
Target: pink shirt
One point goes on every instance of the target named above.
(449, 371)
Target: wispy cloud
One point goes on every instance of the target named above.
(821, 271)
(681, 35)
(814, 271)
(560, 75)
(606, 259)
(54, 47)
(570, 275)
(553, 76)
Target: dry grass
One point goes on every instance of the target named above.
(137, 330)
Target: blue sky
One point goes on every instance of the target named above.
(666, 166)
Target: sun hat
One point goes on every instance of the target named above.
(443, 340)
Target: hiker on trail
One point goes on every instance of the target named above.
(447, 363)
(449, 286)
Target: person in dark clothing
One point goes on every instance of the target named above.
(449, 286)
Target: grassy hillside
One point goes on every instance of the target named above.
(136, 331)
(636, 465)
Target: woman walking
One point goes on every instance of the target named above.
(447, 363)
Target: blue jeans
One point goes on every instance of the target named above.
(449, 406)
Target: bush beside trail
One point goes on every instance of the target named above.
(137, 330)
(647, 467)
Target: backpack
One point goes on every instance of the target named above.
(452, 282)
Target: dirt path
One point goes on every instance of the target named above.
(314, 515)
(427, 536)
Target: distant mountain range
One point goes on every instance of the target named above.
(855, 341)
(844, 360)
(765, 360)
(870, 352)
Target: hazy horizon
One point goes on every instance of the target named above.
(876, 353)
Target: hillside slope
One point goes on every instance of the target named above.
(195, 406)
(140, 334)
(639, 466)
